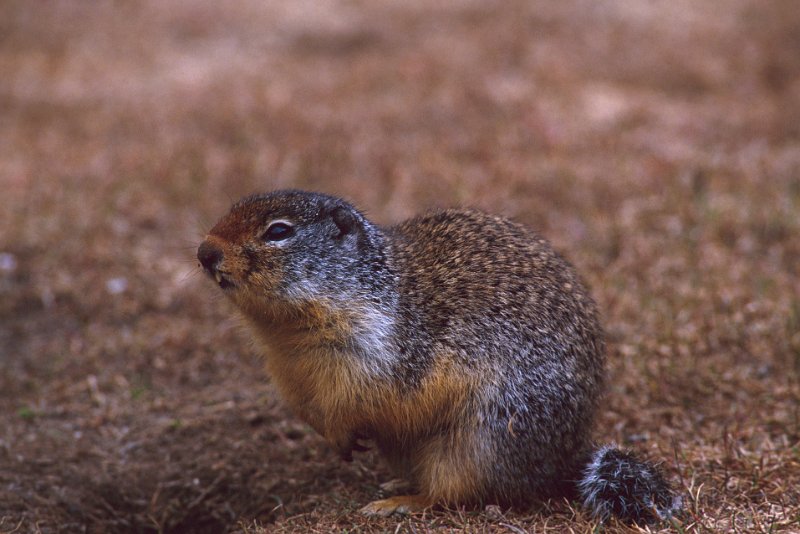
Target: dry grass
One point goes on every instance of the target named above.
(657, 144)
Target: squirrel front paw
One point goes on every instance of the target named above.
(347, 444)
(396, 485)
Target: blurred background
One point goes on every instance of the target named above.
(657, 144)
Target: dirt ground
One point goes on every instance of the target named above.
(657, 144)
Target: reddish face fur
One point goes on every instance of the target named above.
(253, 267)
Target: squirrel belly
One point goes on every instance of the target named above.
(461, 343)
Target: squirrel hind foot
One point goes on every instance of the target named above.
(401, 504)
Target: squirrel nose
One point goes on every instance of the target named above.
(209, 256)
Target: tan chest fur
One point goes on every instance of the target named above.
(314, 364)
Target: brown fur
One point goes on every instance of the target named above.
(460, 343)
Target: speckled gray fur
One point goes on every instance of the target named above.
(495, 300)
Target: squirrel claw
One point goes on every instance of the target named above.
(346, 453)
(358, 447)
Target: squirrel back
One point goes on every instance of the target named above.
(460, 343)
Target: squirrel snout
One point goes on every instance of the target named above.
(209, 256)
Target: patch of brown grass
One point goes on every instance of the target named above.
(655, 143)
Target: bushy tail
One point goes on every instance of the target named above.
(615, 483)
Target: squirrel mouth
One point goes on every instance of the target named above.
(222, 279)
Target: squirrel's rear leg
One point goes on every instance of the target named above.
(401, 504)
(448, 470)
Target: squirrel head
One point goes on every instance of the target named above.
(293, 247)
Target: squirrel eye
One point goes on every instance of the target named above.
(278, 231)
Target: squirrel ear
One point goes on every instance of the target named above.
(344, 219)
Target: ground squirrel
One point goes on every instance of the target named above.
(460, 343)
